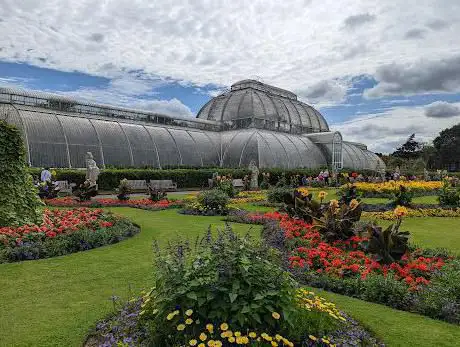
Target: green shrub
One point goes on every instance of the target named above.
(449, 195)
(441, 298)
(225, 185)
(402, 197)
(385, 290)
(227, 279)
(18, 197)
(215, 200)
(277, 194)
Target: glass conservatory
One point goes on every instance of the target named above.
(251, 122)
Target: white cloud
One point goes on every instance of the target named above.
(325, 93)
(385, 131)
(132, 93)
(294, 44)
(14, 82)
(442, 109)
(422, 76)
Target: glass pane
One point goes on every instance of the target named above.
(114, 145)
(142, 146)
(167, 149)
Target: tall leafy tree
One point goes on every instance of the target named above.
(447, 146)
(411, 149)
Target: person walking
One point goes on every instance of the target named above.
(45, 175)
(326, 176)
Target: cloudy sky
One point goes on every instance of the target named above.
(377, 70)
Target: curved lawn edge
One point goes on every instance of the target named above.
(81, 240)
(65, 296)
(395, 327)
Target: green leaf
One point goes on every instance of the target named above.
(233, 297)
(245, 309)
(192, 295)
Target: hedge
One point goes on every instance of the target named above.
(109, 179)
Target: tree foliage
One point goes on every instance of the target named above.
(19, 202)
(411, 149)
(447, 146)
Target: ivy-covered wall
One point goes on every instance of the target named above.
(19, 202)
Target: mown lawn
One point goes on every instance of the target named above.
(397, 328)
(53, 302)
(428, 199)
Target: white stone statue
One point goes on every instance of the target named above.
(92, 171)
(426, 175)
(254, 175)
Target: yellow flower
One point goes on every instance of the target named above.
(334, 203)
(237, 333)
(322, 194)
(211, 343)
(170, 316)
(192, 342)
(354, 203)
(201, 345)
(231, 339)
(303, 192)
(400, 211)
(189, 321)
(217, 343)
(189, 312)
(274, 344)
(252, 335)
(210, 327)
(181, 327)
(276, 315)
(203, 337)
(266, 337)
(278, 337)
(224, 326)
(312, 338)
(326, 341)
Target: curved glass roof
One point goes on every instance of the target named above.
(263, 106)
(61, 140)
(257, 122)
(269, 149)
(355, 156)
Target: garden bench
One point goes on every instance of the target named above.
(238, 183)
(64, 186)
(138, 185)
(163, 184)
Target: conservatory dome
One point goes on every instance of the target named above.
(253, 104)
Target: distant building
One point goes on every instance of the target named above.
(252, 121)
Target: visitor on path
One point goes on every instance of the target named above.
(326, 176)
(45, 175)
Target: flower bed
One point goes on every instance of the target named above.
(416, 212)
(124, 326)
(146, 204)
(345, 267)
(249, 196)
(63, 232)
(229, 291)
(387, 189)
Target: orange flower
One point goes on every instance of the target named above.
(400, 211)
